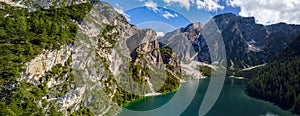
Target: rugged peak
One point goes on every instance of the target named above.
(140, 37)
(230, 19)
(151, 34)
(195, 25)
(279, 25)
(225, 15)
(234, 17)
(249, 20)
(247, 43)
(192, 27)
(108, 11)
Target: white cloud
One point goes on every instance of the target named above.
(168, 15)
(160, 34)
(271, 11)
(152, 5)
(120, 10)
(183, 3)
(210, 5)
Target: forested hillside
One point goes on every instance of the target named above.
(279, 80)
(40, 60)
(24, 35)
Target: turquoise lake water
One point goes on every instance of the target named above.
(233, 101)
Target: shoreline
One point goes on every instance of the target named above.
(248, 96)
(160, 94)
(145, 97)
(240, 78)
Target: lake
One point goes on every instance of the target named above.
(233, 101)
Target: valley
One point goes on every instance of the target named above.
(84, 58)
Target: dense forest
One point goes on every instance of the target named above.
(24, 35)
(279, 80)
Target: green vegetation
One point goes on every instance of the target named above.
(138, 73)
(167, 51)
(23, 102)
(111, 38)
(83, 111)
(279, 80)
(122, 97)
(23, 35)
(170, 84)
(206, 71)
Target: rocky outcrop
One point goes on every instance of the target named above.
(37, 67)
(90, 71)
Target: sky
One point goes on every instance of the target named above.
(265, 11)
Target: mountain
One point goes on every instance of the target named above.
(247, 43)
(77, 58)
(279, 80)
(84, 58)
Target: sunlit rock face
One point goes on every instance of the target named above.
(43, 63)
(90, 72)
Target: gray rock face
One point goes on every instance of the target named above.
(247, 43)
(104, 46)
(145, 44)
(250, 44)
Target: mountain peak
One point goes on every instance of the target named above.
(229, 15)
(193, 27)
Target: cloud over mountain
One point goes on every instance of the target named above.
(269, 12)
(210, 5)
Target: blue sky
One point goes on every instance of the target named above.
(192, 13)
(265, 12)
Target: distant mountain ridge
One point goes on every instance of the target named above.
(258, 43)
(247, 43)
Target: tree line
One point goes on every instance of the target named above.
(279, 80)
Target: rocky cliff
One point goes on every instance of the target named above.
(109, 64)
(250, 44)
(247, 43)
